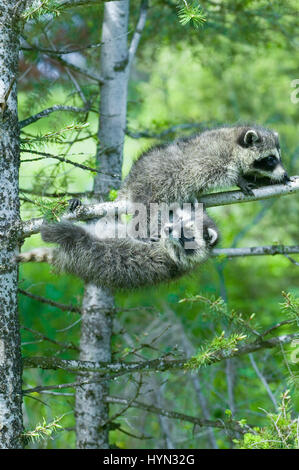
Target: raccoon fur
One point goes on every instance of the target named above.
(128, 263)
(222, 157)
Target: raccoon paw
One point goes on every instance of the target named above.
(246, 186)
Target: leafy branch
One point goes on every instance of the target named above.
(191, 13)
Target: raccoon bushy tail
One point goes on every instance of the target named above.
(38, 255)
(114, 263)
(76, 251)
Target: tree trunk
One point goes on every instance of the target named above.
(11, 425)
(96, 330)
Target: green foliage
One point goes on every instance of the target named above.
(51, 209)
(219, 309)
(191, 13)
(43, 431)
(57, 136)
(291, 306)
(280, 432)
(219, 348)
(40, 8)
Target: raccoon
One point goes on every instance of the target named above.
(222, 157)
(127, 263)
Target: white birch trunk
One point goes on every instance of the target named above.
(10, 356)
(91, 409)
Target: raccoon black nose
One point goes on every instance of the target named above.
(286, 178)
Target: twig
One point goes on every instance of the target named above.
(50, 340)
(46, 112)
(255, 251)
(180, 416)
(151, 135)
(63, 307)
(77, 69)
(138, 31)
(263, 380)
(66, 160)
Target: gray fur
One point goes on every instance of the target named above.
(126, 263)
(182, 170)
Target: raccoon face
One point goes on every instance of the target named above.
(263, 156)
(184, 230)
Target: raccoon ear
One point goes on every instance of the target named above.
(250, 137)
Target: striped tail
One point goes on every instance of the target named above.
(38, 255)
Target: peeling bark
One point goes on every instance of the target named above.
(10, 355)
(91, 408)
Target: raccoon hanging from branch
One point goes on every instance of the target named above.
(127, 263)
(184, 169)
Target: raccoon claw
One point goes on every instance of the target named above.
(74, 203)
(246, 187)
(292, 179)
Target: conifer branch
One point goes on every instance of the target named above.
(52, 109)
(117, 369)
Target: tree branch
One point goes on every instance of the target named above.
(138, 31)
(75, 68)
(84, 212)
(255, 251)
(210, 200)
(119, 368)
(265, 192)
(233, 425)
(63, 307)
(66, 160)
(46, 112)
(170, 130)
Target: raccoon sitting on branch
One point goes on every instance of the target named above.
(184, 169)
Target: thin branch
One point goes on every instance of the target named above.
(150, 135)
(255, 251)
(61, 51)
(66, 160)
(46, 112)
(56, 195)
(83, 212)
(264, 381)
(278, 325)
(75, 68)
(63, 307)
(162, 364)
(138, 31)
(50, 340)
(233, 425)
(266, 192)
(292, 260)
(78, 3)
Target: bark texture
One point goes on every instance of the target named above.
(10, 356)
(91, 407)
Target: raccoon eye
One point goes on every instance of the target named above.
(267, 163)
(271, 161)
